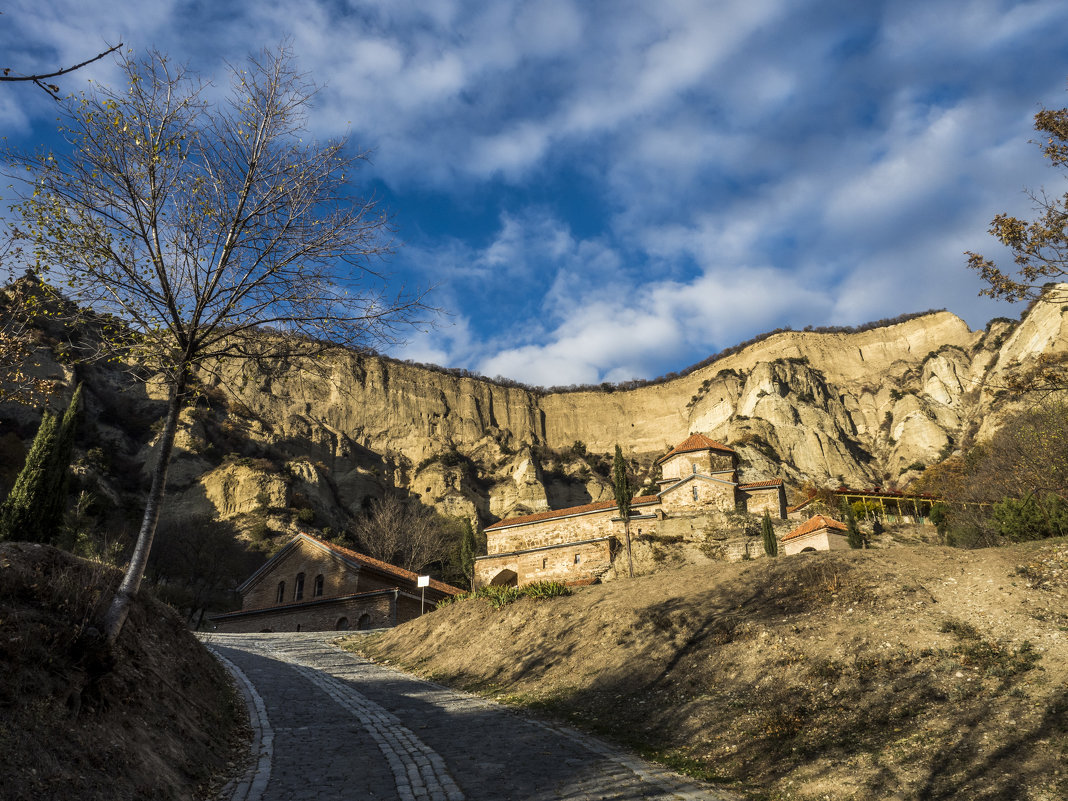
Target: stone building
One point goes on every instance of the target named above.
(313, 585)
(579, 544)
(818, 533)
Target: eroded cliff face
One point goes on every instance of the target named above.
(861, 409)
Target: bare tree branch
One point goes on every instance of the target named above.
(51, 88)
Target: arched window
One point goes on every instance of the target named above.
(364, 622)
(342, 624)
(281, 592)
(318, 592)
(298, 590)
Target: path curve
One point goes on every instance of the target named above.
(329, 725)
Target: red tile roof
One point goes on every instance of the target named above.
(384, 567)
(571, 510)
(768, 482)
(815, 524)
(695, 442)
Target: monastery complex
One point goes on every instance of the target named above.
(579, 544)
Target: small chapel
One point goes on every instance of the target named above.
(699, 477)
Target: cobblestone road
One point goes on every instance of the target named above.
(330, 725)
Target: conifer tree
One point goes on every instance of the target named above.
(468, 551)
(621, 488)
(853, 535)
(33, 511)
(767, 530)
(55, 494)
(21, 513)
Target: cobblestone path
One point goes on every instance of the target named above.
(329, 725)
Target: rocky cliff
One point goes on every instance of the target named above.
(862, 409)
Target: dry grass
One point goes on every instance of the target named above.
(911, 673)
(155, 717)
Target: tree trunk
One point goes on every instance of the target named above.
(630, 556)
(131, 580)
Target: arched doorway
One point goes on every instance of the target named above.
(809, 549)
(342, 624)
(364, 622)
(506, 578)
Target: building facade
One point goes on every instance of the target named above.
(699, 478)
(818, 533)
(314, 585)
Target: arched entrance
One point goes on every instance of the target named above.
(342, 624)
(506, 578)
(364, 622)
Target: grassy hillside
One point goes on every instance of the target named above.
(153, 718)
(907, 673)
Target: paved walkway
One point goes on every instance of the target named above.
(330, 725)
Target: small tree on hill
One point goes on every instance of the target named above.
(767, 530)
(468, 551)
(196, 231)
(623, 494)
(853, 535)
(33, 510)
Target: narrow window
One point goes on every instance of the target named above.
(281, 592)
(695, 492)
(577, 559)
(298, 590)
(318, 586)
(695, 468)
(544, 563)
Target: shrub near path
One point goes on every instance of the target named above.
(909, 673)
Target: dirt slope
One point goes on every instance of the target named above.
(154, 719)
(909, 673)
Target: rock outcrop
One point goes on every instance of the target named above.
(866, 408)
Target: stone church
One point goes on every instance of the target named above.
(580, 543)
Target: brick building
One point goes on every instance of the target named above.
(313, 585)
(579, 544)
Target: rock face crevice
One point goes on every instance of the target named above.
(862, 409)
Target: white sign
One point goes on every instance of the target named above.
(424, 581)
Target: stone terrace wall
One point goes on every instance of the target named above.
(550, 564)
(317, 616)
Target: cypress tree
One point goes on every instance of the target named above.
(767, 530)
(468, 549)
(55, 495)
(622, 491)
(853, 535)
(33, 511)
(22, 513)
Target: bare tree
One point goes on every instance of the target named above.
(402, 534)
(197, 232)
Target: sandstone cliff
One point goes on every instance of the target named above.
(861, 409)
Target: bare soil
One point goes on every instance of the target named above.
(916, 672)
(155, 717)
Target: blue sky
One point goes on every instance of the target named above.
(608, 190)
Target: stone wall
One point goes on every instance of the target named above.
(710, 494)
(682, 464)
(554, 531)
(550, 564)
(378, 610)
(771, 499)
(821, 540)
(303, 558)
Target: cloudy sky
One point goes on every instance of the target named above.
(602, 190)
